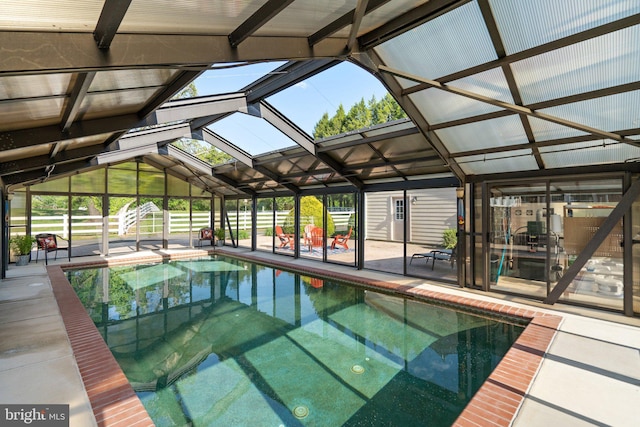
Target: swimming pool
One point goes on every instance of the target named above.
(220, 341)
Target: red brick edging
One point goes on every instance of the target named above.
(495, 404)
(112, 398)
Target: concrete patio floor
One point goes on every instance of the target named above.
(589, 375)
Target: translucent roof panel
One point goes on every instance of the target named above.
(525, 24)
(544, 130)
(344, 84)
(230, 78)
(303, 17)
(195, 16)
(501, 132)
(609, 60)
(588, 153)
(440, 106)
(514, 161)
(103, 104)
(251, 134)
(12, 87)
(30, 113)
(68, 15)
(127, 79)
(609, 113)
(449, 43)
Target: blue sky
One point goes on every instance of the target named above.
(303, 103)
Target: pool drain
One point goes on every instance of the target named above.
(300, 411)
(357, 369)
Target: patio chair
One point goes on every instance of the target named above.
(285, 239)
(342, 240)
(205, 233)
(317, 238)
(307, 235)
(437, 255)
(48, 242)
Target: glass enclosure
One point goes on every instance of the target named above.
(538, 229)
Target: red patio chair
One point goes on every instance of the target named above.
(342, 240)
(285, 239)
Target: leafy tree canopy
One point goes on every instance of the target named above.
(361, 115)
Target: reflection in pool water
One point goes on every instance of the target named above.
(219, 341)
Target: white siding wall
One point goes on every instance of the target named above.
(433, 211)
(379, 214)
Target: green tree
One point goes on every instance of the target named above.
(361, 115)
(189, 91)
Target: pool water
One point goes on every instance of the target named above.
(220, 341)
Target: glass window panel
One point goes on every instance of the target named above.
(253, 135)
(284, 219)
(122, 181)
(86, 224)
(232, 78)
(314, 231)
(431, 225)
(151, 183)
(344, 84)
(598, 63)
(177, 187)
(609, 113)
(18, 209)
(59, 185)
(264, 224)
(245, 223)
(449, 43)
(50, 214)
(384, 234)
(342, 244)
(588, 153)
(500, 132)
(524, 25)
(89, 182)
(151, 223)
(580, 214)
(179, 224)
(513, 161)
(201, 215)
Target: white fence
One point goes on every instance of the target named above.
(152, 222)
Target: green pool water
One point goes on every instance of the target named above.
(221, 342)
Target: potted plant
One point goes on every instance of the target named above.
(22, 246)
(219, 233)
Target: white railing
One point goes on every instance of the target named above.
(178, 221)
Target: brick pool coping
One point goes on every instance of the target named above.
(115, 403)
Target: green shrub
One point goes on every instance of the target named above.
(310, 208)
(450, 238)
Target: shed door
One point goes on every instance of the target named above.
(397, 224)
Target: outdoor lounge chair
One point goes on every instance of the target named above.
(205, 233)
(342, 240)
(48, 242)
(437, 255)
(285, 239)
